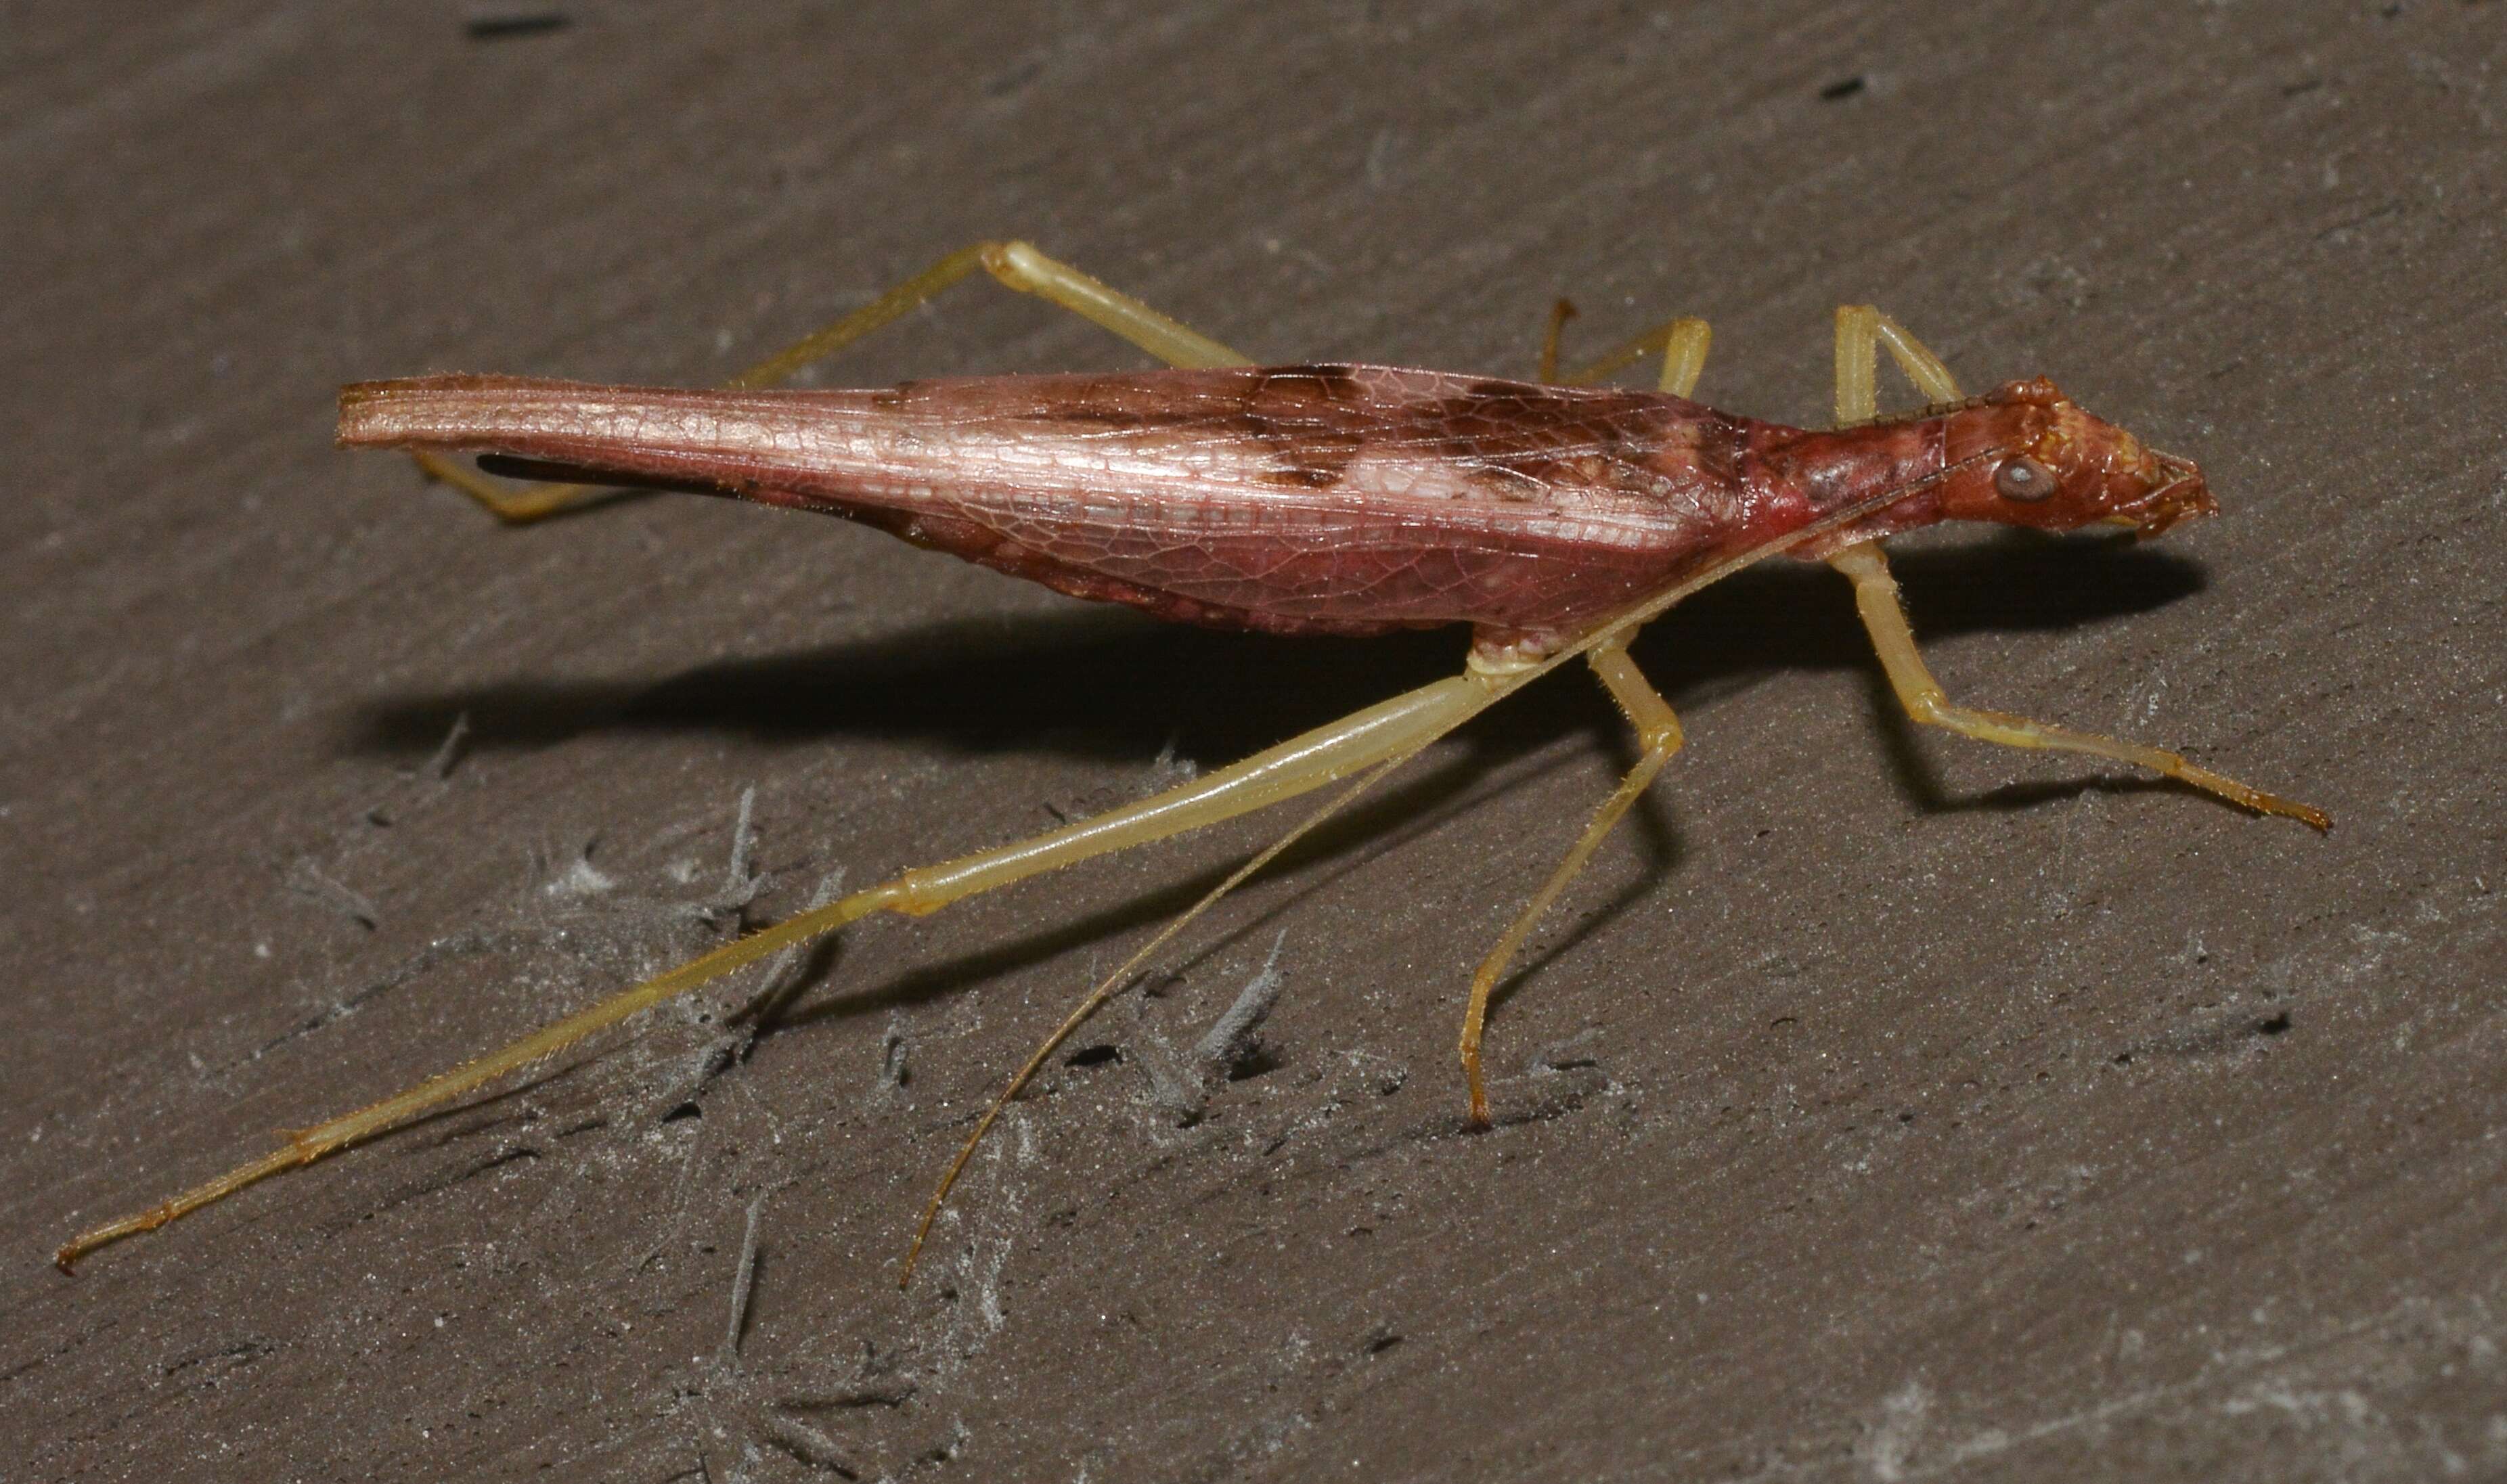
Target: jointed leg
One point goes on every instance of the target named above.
(1862, 331)
(1683, 341)
(1014, 265)
(1876, 596)
(1381, 733)
(1658, 730)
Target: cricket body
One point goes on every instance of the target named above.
(1555, 519)
(1308, 499)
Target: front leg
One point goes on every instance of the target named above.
(1862, 334)
(1884, 618)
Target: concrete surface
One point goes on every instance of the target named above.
(1882, 1106)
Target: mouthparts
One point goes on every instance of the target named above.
(2184, 497)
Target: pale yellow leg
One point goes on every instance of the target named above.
(1559, 313)
(1862, 332)
(1876, 596)
(1658, 733)
(1014, 265)
(1683, 341)
(1371, 739)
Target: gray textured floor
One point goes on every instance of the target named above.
(1880, 1107)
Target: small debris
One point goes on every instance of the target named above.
(1233, 1046)
(743, 884)
(809, 1446)
(515, 26)
(1231, 1050)
(787, 973)
(1569, 1054)
(1170, 768)
(738, 879)
(743, 1283)
(581, 878)
(449, 752)
(871, 1392)
(1843, 88)
(311, 882)
(894, 1072)
(1384, 1076)
(1174, 1087)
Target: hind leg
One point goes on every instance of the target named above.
(1359, 744)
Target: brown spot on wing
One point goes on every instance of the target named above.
(1300, 415)
(1333, 380)
(1722, 449)
(1308, 473)
(1311, 420)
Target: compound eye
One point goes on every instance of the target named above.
(2023, 479)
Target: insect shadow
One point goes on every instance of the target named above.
(1107, 683)
(1104, 683)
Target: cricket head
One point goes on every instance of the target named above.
(2026, 455)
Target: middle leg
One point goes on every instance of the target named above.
(1659, 731)
(1683, 341)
